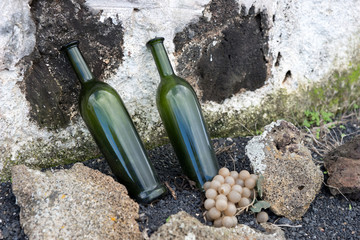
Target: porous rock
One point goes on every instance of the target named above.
(343, 166)
(184, 226)
(291, 179)
(78, 203)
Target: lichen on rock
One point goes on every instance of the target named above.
(77, 203)
(291, 179)
(184, 226)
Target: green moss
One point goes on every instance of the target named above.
(39, 154)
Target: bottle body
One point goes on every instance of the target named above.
(110, 125)
(181, 115)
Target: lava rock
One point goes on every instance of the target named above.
(291, 179)
(343, 166)
(78, 203)
(214, 52)
(184, 226)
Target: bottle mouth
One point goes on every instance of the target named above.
(71, 44)
(154, 41)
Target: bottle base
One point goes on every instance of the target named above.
(151, 195)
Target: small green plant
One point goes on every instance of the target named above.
(259, 204)
(316, 118)
(318, 133)
(258, 132)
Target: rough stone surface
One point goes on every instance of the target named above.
(79, 203)
(283, 46)
(51, 86)
(184, 226)
(291, 179)
(343, 166)
(228, 51)
(17, 33)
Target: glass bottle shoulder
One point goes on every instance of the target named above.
(173, 83)
(94, 91)
(92, 87)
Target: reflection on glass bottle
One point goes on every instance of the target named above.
(181, 114)
(110, 124)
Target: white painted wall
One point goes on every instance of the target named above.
(314, 38)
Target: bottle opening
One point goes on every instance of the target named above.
(155, 40)
(71, 44)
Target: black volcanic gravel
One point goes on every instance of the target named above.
(328, 217)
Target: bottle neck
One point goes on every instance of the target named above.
(78, 62)
(160, 56)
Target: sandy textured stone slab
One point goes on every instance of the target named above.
(184, 226)
(291, 179)
(78, 203)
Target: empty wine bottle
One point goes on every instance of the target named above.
(181, 114)
(110, 125)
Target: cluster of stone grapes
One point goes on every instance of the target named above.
(229, 194)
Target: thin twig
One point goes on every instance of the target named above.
(251, 132)
(173, 194)
(327, 125)
(336, 189)
(240, 210)
(286, 225)
(223, 149)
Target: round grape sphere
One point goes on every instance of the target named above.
(250, 183)
(221, 204)
(221, 196)
(246, 192)
(213, 213)
(224, 189)
(240, 182)
(218, 222)
(219, 178)
(234, 174)
(211, 193)
(230, 210)
(244, 174)
(234, 196)
(206, 185)
(209, 203)
(230, 180)
(224, 172)
(254, 176)
(235, 221)
(215, 184)
(237, 188)
(227, 221)
(262, 217)
(244, 202)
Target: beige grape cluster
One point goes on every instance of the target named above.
(227, 195)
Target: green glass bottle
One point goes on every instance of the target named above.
(110, 124)
(181, 114)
